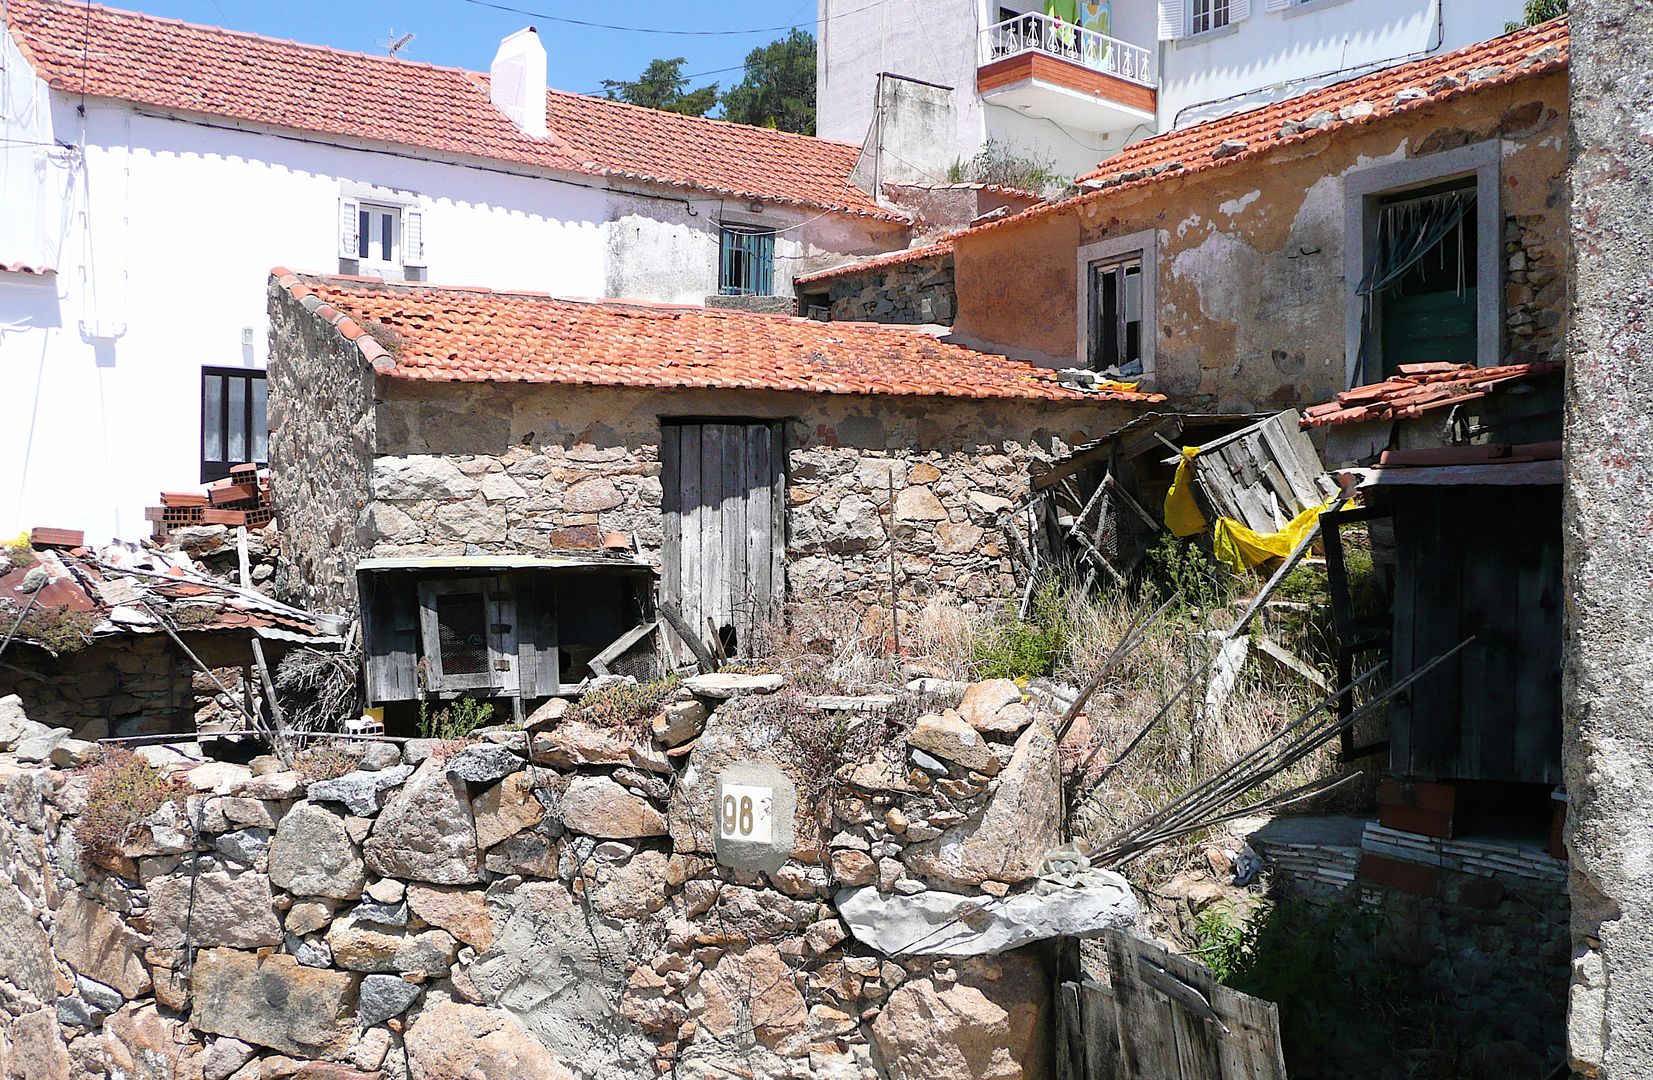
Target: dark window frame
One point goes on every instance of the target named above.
(213, 469)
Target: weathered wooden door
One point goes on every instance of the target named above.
(1163, 1017)
(723, 497)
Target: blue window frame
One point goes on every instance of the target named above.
(746, 265)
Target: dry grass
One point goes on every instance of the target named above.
(123, 791)
(626, 708)
(325, 762)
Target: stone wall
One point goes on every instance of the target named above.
(128, 684)
(480, 470)
(1606, 754)
(920, 291)
(321, 442)
(558, 902)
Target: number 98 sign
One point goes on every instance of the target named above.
(745, 813)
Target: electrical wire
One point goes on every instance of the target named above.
(663, 32)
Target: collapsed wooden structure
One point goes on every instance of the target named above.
(1100, 508)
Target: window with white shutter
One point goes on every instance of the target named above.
(1276, 5)
(348, 209)
(413, 237)
(1173, 19)
(381, 232)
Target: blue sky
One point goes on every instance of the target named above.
(463, 34)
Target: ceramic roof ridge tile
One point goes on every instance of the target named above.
(1402, 397)
(1189, 151)
(466, 335)
(191, 68)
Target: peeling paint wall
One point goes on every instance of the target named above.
(1251, 288)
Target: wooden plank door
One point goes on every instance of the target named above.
(723, 497)
(1175, 1021)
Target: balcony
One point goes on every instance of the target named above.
(1044, 67)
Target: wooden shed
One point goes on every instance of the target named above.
(519, 628)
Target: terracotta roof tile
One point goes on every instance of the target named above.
(1419, 388)
(450, 334)
(185, 67)
(879, 262)
(1367, 99)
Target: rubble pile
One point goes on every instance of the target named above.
(241, 498)
(555, 900)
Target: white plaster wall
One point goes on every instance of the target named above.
(1275, 54)
(669, 252)
(934, 42)
(1265, 57)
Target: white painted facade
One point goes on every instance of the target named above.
(1270, 49)
(162, 231)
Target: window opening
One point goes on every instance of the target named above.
(234, 428)
(377, 234)
(1116, 316)
(462, 630)
(1419, 290)
(747, 263)
(1208, 15)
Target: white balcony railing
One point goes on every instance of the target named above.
(1046, 34)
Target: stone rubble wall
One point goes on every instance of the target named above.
(548, 902)
(321, 442)
(464, 470)
(916, 292)
(119, 685)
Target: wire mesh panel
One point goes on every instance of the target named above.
(462, 629)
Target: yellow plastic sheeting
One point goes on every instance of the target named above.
(1234, 544)
(1116, 386)
(1241, 549)
(1182, 514)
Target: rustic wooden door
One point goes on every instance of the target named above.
(1163, 1017)
(723, 498)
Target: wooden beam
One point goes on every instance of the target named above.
(599, 663)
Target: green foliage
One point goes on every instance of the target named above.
(997, 163)
(1020, 649)
(627, 707)
(1538, 11)
(663, 86)
(123, 790)
(1339, 997)
(777, 89)
(1183, 566)
(455, 721)
(1223, 934)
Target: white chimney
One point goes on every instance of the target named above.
(517, 81)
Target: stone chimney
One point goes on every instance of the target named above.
(516, 81)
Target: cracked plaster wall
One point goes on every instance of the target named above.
(1251, 291)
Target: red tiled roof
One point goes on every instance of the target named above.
(1417, 389)
(879, 262)
(1247, 135)
(448, 334)
(181, 66)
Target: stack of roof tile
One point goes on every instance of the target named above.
(1417, 389)
(241, 498)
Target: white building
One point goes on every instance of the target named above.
(924, 92)
(152, 172)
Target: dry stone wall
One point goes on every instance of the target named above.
(564, 900)
(920, 291)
